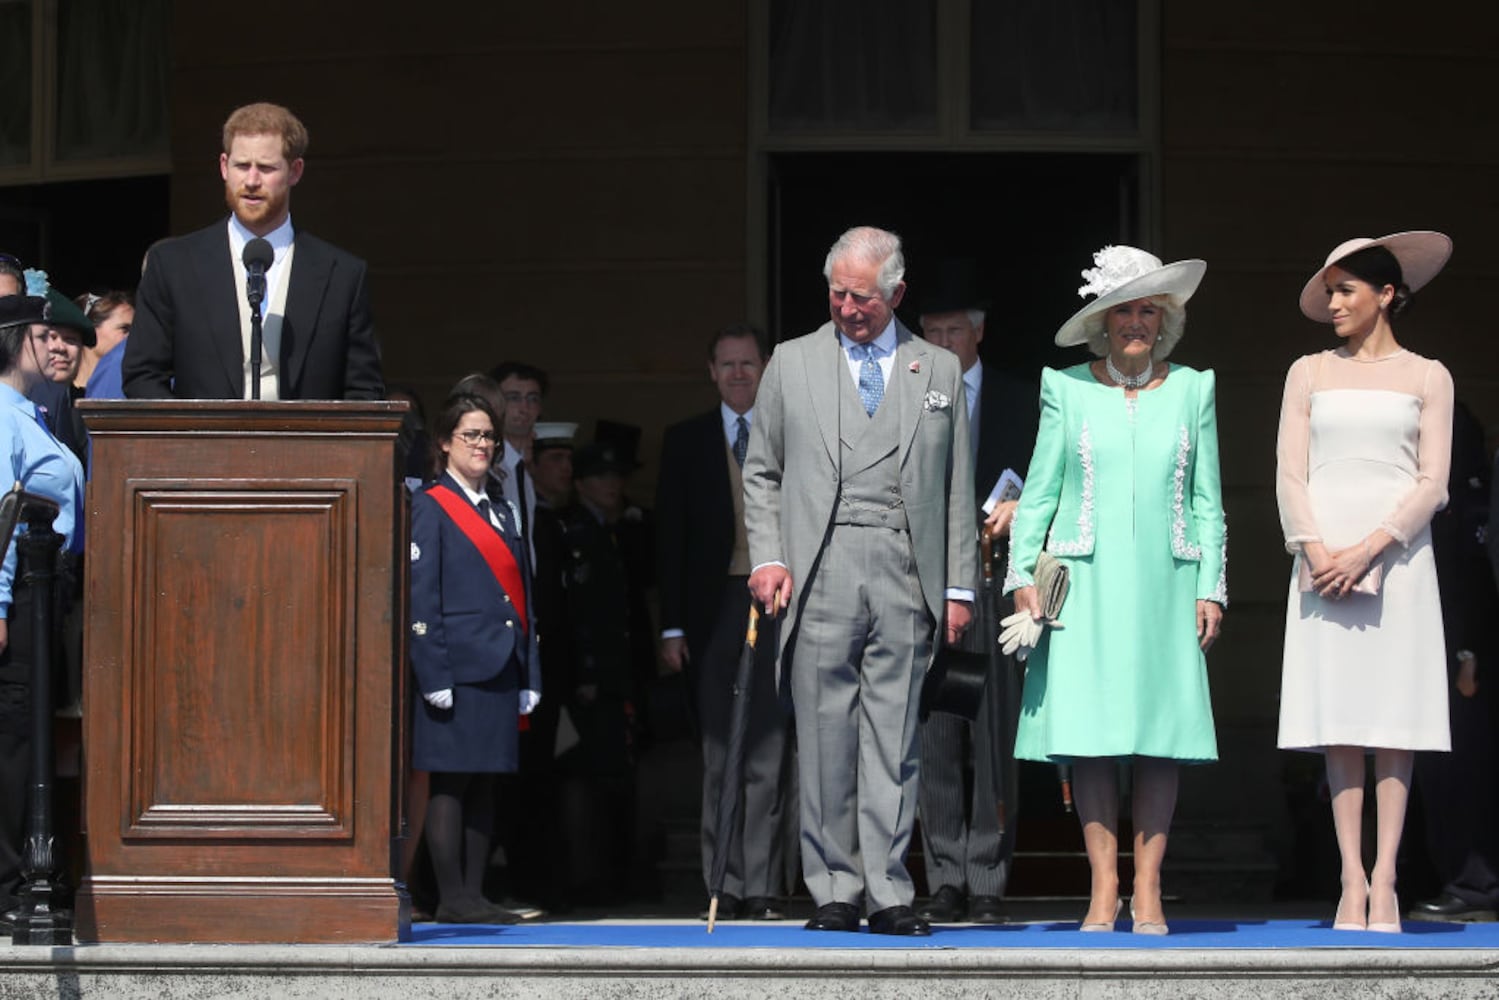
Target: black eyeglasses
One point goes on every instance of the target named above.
(474, 437)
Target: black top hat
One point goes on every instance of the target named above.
(954, 683)
(598, 459)
(950, 286)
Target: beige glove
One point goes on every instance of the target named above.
(1022, 633)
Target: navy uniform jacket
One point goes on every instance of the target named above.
(464, 629)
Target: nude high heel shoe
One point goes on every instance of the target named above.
(1100, 926)
(1387, 928)
(1156, 928)
(1351, 925)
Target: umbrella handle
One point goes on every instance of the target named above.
(752, 631)
(712, 912)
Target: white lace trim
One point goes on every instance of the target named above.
(1014, 579)
(1082, 545)
(1180, 547)
(1220, 591)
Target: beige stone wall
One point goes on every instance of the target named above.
(561, 183)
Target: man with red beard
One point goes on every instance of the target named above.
(191, 338)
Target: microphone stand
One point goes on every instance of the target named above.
(255, 291)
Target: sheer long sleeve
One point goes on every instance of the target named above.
(1433, 459)
(1292, 447)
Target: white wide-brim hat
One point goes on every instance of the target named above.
(1124, 274)
(1421, 253)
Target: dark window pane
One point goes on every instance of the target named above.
(853, 65)
(15, 83)
(112, 78)
(1040, 64)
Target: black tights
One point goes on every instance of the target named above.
(460, 820)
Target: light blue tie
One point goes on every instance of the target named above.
(871, 380)
(741, 440)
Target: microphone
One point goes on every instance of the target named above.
(257, 257)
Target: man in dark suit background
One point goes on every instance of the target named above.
(966, 848)
(702, 569)
(191, 337)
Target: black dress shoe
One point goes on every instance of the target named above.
(835, 917)
(900, 920)
(481, 912)
(945, 907)
(763, 908)
(1450, 907)
(729, 907)
(985, 910)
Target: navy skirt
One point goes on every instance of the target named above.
(479, 734)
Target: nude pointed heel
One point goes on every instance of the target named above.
(1102, 926)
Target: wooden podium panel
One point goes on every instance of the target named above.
(243, 672)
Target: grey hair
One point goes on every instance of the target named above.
(1173, 325)
(873, 246)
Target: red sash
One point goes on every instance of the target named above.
(488, 541)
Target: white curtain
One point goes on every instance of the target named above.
(15, 82)
(1050, 65)
(112, 65)
(848, 65)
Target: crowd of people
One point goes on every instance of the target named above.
(842, 487)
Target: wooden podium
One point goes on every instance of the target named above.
(243, 685)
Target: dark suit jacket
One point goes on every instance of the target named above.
(463, 630)
(185, 341)
(695, 527)
(1008, 417)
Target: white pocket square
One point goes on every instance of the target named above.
(936, 401)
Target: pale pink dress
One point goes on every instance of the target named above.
(1365, 445)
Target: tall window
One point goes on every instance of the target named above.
(83, 88)
(956, 73)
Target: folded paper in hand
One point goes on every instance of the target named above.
(1006, 487)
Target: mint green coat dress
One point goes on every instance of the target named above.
(1127, 495)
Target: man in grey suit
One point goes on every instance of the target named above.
(859, 512)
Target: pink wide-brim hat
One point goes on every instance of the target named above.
(1421, 253)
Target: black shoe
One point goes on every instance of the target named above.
(985, 910)
(729, 908)
(1450, 907)
(900, 920)
(835, 917)
(763, 908)
(945, 907)
(481, 912)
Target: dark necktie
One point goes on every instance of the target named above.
(486, 511)
(741, 440)
(520, 498)
(871, 379)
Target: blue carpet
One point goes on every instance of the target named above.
(1184, 934)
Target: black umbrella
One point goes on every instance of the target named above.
(732, 789)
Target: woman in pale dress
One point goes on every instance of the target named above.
(1363, 452)
(1123, 489)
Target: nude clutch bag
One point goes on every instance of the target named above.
(1368, 584)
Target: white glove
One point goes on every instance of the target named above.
(528, 701)
(1022, 633)
(439, 699)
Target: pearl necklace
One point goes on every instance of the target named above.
(1128, 381)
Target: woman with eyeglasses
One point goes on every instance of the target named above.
(473, 652)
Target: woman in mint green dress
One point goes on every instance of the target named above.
(1123, 489)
